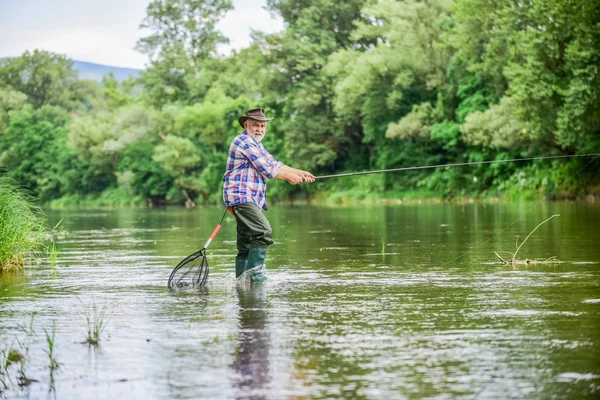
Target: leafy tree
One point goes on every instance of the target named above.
(117, 95)
(11, 101)
(298, 57)
(545, 53)
(32, 150)
(496, 127)
(189, 25)
(146, 177)
(183, 39)
(45, 78)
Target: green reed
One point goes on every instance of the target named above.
(95, 323)
(21, 226)
(50, 342)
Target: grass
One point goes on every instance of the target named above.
(21, 227)
(95, 323)
(14, 358)
(50, 339)
(52, 254)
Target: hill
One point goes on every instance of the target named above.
(95, 72)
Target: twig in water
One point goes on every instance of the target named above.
(513, 259)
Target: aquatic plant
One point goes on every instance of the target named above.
(8, 357)
(3, 368)
(50, 340)
(21, 226)
(95, 323)
(52, 254)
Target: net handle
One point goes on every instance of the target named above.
(217, 228)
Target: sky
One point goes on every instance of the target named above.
(106, 31)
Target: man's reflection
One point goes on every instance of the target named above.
(252, 357)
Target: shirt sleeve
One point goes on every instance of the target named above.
(262, 160)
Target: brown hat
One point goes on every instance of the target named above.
(257, 114)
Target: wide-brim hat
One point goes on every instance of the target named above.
(257, 114)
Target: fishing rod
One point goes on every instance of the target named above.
(454, 165)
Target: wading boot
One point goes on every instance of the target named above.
(256, 264)
(241, 265)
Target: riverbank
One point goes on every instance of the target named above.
(111, 199)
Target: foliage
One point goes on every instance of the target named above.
(21, 226)
(96, 319)
(45, 78)
(352, 85)
(33, 150)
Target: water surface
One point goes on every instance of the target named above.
(363, 302)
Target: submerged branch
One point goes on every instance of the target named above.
(513, 259)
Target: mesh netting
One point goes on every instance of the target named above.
(192, 271)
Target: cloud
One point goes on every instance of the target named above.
(95, 46)
(82, 31)
(247, 15)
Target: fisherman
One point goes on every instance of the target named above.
(249, 165)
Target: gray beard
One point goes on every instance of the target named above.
(253, 136)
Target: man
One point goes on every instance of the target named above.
(249, 165)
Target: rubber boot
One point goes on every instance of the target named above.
(241, 265)
(256, 264)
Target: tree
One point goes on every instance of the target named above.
(547, 55)
(45, 78)
(33, 150)
(297, 57)
(11, 102)
(183, 39)
(188, 24)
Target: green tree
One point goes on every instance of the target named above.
(45, 78)
(297, 60)
(545, 54)
(11, 102)
(33, 150)
(183, 39)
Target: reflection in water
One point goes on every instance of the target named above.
(251, 362)
(362, 304)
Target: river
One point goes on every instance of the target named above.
(361, 302)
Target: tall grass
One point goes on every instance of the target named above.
(21, 226)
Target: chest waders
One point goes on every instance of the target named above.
(254, 234)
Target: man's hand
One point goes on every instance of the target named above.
(294, 176)
(307, 176)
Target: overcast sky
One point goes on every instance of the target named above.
(106, 31)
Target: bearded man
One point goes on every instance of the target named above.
(249, 165)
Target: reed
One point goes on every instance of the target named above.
(50, 342)
(95, 323)
(52, 254)
(21, 227)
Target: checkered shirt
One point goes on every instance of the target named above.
(249, 165)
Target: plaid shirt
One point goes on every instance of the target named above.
(249, 165)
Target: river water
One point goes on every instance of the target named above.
(365, 302)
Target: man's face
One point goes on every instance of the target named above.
(256, 129)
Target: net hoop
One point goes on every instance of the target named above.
(191, 271)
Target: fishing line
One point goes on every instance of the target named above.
(528, 211)
(595, 155)
(454, 165)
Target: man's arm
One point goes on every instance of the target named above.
(294, 176)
